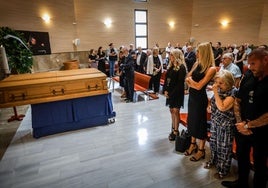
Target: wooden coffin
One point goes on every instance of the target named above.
(51, 86)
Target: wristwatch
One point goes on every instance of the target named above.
(246, 126)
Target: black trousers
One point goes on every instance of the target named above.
(155, 82)
(260, 152)
(101, 66)
(129, 85)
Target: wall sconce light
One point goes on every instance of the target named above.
(76, 42)
(108, 22)
(224, 23)
(46, 18)
(171, 24)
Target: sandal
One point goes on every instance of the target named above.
(172, 135)
(193, 148)
(200, 154)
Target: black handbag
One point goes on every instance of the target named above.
(182, 141)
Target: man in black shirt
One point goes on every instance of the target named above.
(251, 112)
(128, 69)
(218, 54)
(112, 54)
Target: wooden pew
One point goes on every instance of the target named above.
(141, 84)
(163, 77)
(183, 120)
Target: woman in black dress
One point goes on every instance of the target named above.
(240, 57)
(101, 59)
(122, 75)
(174, 88)
(197, 79)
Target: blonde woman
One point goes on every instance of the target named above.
(222, 123)
(197, 79)
(174, 88)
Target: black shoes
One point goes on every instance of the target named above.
(128, 101)
(230, 184)
(172, 136)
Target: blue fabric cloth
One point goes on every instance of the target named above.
(60, 116)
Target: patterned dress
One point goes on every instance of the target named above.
(222, 134)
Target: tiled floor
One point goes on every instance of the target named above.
(132, 152)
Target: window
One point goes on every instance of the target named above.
(141, 29)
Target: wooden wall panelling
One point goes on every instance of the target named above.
(249, 22)
(245, 19)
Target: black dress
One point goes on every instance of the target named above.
(101, 62)
(174, 85)
(197, 108)
(240, 64)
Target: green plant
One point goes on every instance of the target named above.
(19, 56)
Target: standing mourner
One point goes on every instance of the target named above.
(190, 58)
(222, 123)
(197, 79)
(251, 113)
(101, 59)
(218, 54)
(112, 54)
(240, 57)
(128, 69)
(140, 60)
(154, 69)
(174, 88)
(121, 61)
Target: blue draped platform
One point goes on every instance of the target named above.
(60, 116)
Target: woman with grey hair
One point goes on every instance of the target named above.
(222, 123)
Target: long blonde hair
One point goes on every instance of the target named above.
(179, 58)
(205, 56)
